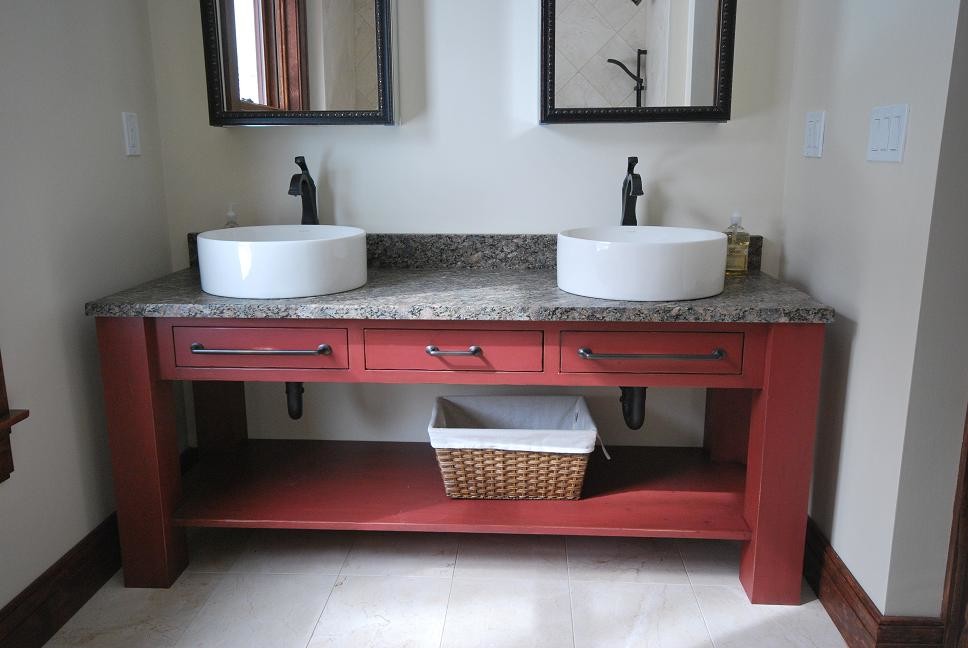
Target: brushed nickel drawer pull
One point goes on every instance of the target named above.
(471, 351)
(587, 354)
(323, 349)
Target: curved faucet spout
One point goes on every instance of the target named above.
(302, 184)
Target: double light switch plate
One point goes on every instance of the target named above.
(888, 129)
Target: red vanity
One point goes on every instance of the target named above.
(757, 348)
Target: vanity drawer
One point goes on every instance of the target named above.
(651, 352)
(435, 350)
(261, 348)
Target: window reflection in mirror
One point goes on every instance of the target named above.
(298, 55)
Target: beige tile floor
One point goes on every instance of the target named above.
(276, 589)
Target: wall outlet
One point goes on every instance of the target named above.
(132, 134)
(813, 134)
(888, 130)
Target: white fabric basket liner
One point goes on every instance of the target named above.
(559, 424)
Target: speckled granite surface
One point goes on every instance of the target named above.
(484, 251)
(463, 294)
(478, 251)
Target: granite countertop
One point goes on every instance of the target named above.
(468, 294)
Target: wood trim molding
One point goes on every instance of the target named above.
(955, 603)
(38, 612)
(852, 611)
(8, 418)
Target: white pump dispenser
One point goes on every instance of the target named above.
(231, 219)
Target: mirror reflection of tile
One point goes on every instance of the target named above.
(676, 71)
(345, 68)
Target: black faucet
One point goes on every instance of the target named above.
(633, 398)
(631, 189)
(302, 185)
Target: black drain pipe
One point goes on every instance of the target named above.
(294, 399)
(633, 406)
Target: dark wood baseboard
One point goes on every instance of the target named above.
(852, 611)
(37, 613)
(32, 618)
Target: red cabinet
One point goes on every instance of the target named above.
(453, 350)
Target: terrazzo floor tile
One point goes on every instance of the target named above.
(415, 590)
(498, 613)
(260, 610)
(293, 552)
(629, 560)
(617, 615)
(117, 617)
(734, 622)
(711, 562)
(429, 555)
(512, 556)
(380, 611)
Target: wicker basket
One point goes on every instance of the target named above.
(520, 442)
(510, 474)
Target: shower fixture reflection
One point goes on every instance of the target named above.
(640, 83)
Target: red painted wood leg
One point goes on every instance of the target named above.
(144, 452)
(780, 463)
(220, 422)
(727, 424)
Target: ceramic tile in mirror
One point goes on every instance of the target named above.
(670, 45)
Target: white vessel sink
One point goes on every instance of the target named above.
(642, 263)
(279, 261)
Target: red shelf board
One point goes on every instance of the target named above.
(644, 492)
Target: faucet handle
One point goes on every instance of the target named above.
(632, 162)
(295, 188)
(636, 187)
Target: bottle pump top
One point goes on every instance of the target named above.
(736, 219)
(231, 219)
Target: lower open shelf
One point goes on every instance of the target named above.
(645, 492)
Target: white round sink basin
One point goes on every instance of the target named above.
(280, 261)
(642, 263)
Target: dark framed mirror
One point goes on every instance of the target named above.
(273, 62)
(636, 60)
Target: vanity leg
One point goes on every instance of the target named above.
(780, 463)
(144, 452)
(219, 415)
(727, 424)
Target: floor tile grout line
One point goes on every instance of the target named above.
(450, 591)
(571, 598)
(211, 592)
(695, 596)
(339, 573)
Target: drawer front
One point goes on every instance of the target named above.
(261, 348)
(430, 350)
(651, 352)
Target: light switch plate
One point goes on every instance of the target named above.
(813, 134)
(132, 134)
(888, 131)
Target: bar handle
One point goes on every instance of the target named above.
(471, 351)
(587, 354)
(323, 349)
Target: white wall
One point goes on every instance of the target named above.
(469, 156)
(856, 237)
(77, 221)
(939, 390)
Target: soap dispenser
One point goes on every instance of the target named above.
(231, 219)
(737, 246)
